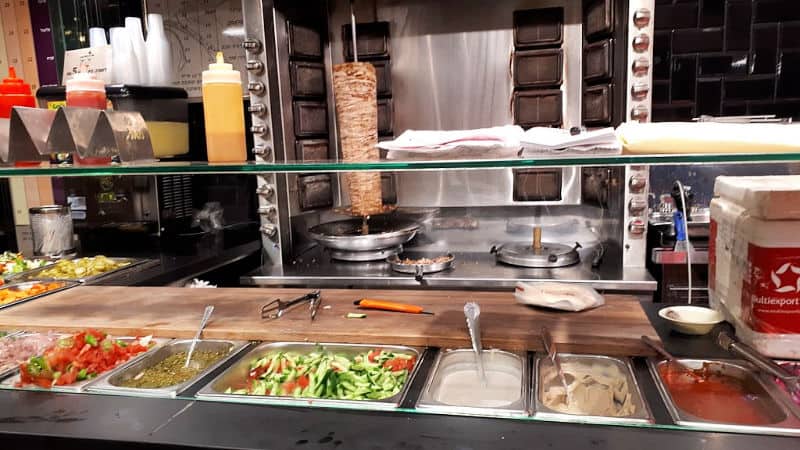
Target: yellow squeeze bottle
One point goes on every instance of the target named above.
(223, 109)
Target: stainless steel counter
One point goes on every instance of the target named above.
(471, 270)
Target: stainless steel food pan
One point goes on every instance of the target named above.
(64, 284)
(238, 372)
(80, 386)
(111, 382)
(542, 367)
(449, 362)
(784, 423)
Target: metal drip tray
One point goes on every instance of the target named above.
(383, 232)
(549, 255)
(366, 255)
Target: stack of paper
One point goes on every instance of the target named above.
(496, 142)
(542, 140)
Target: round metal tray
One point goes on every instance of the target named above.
(366, 255)
(346, 234)
(419, 270)
(550, 255)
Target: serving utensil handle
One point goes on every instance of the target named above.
(732, 345)
(206, 315)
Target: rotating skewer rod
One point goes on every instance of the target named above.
(537, 238)
(353, 31)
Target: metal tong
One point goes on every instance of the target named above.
(732, 345)
(766, 118)
(276, 308)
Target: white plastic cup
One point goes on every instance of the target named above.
(159, 55)
(134, 27)
(97, 37)
(123, 63)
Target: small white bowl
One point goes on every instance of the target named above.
(694, 320)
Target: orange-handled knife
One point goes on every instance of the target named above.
(368, 303)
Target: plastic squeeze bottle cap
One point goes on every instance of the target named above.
(14, 92)
(221, 72)
(83, 81)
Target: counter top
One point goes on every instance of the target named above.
(614, 328)
(45, 420)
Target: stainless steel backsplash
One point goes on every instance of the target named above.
(451, 59)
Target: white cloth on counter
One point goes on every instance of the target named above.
(563, 296)
(545, 140)
(708, 137)
(201, 284)
(495, 142)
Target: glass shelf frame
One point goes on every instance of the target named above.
(251, 167)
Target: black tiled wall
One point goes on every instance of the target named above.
(726, 57)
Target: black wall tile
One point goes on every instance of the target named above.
(662, 54)
(734, 109)
(749, 89)
(737, 25)
(661, 92)
(789, 81)
(681, 15)
(790, 35)
(776, 10)
(723, 64)
(709, 97)
(732, 57)
(673, 113)
(764, 59)
(789, 108)
(712, 13)
(684, 75)
(697, 40)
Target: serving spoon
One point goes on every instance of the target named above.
(552, 353)
(206, 315)
(670, 358)
(473, 314)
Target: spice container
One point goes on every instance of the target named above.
(51, 226)
(165, 111)
(223, 108)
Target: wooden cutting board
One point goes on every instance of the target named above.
(613, 329)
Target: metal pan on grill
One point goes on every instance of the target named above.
(421, 266)
(348, 235)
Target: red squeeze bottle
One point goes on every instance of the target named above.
(14, 92)
(84, 90)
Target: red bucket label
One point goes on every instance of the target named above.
(771, 290)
